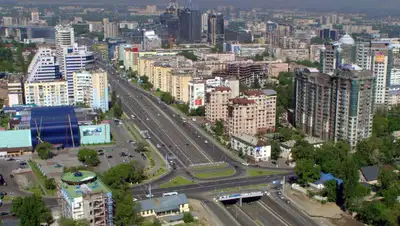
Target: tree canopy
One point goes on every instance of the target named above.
(44, 150)
(88, 156)
(31, 210)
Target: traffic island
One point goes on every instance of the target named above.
(214, 173)
(177, 182)
(253, 172)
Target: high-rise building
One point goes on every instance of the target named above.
(170, 20)
(150, 41)
(75, 58)
(44, 66)
(216, 101)
(330, 57)
(7, 21)
(111, 30)
(91, 89)
(204, 22)
(84, 196)
(377, 56)
(216, 30)
(65, 37)
(328, 33)
(335, 107)
(189, 25)
(35, 15)
(46, 93)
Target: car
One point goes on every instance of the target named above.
(245, 164)
(123, 154)
(147, 119)
(9, 159)
(158, 115)
(206, 141)
(193, 119)
(130, 142)
(172, 163)
(132, 116)
(130, 156)
(158, 146)
(100, 153)
(109, 156)
(100, 150)
(149, 196)
(170, 155)
(23, 164)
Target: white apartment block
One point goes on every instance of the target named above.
(254, 149)
(65, 37)
(46, 93)
(43, 66)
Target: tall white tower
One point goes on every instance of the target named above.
(65, 38)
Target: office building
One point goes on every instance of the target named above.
(330, 57)
(377, 56)
(84, 196)
(91, 89)
(65, 37)
(189, 25)
(335, 107)
(111, 30)
(216, 30)
(44, 66)
(7, 21)
(204, 22)
(35, 15)
(46, 93)
(170, 20)
(150, 41)
(329, 34)
(75, 58)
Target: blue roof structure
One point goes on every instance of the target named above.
(326, 177)
(56, 125)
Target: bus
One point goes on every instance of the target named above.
(170, 194)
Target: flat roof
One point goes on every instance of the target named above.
(76, 178)
(74, 191)
(163, 204)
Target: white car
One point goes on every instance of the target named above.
(158, 146)
(132, 116)
(134, 199)
(206, 141)
(245, 164)
(148, 195)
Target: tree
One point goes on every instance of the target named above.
(114, 97)
(350, 183)
(50, 184)
(167, 98)
(218, 128)
(256, 84)
(156, 222)
(303, 150)
(117, 177)
(44, 150)
(141, 147)
(125, 211)
(31, 210)
(70, 222)
(331, 190)
(380, 126)
(88, 156)
(118, 111)
(317, 40)
(275, 150)
(374, 213)
(188, 218)
(189, 55)
(307, 171)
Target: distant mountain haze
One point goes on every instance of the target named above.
(373, 6)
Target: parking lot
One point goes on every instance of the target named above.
(6, 168)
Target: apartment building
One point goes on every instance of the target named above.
(91, 89)
(242, 116)
(44, 66)
(75, 58)
(15, 91)
(254, 149)
(84, 196)
(65, 37)
(46, 93)
(335, 107)
(111, 30)
(216, 104)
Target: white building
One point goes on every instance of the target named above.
(111, 30)
(43, 66)
(395, 76)
(75, 58)
(91, 89)
(65, 37)
(150, 41)
(46, 93)
(254, 149)
(196, 94)
(204, 22)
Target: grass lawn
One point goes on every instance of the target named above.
(216, 174)
(177, 181)
(211, 166)
(262, 172)
(8, 198)
(40, 178)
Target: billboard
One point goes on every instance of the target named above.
(379, 58)
(92, 131)
(198, 97)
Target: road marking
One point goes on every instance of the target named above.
(269, 209)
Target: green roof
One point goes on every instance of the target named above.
(72, 177)
(91, 186)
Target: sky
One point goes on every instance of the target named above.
(382, 6)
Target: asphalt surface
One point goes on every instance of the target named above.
(261, 214)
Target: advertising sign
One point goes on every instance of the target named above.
(93, 131)
(198, 96)
(379, 58)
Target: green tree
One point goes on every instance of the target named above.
(125, 211)
(317, 40)
(307, 171)
(380, 126)
(167, 98)
(88, 156)
(70, 222)
(331, 157)
(188, 218)
(303, 150)
(31, 210)
(374, 213)
(44, 150)
(141, 147)
(118, 111)
(119, 176)
(331, 190)
(218, 128)
(350, 183)
(275, 150)
(50, 184)
(256, 84)
(114, 97)
(189, 55)
(156, 222)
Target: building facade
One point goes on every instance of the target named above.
(46, 93)
(91, 89)
(189, 25)
(65, 37)
(216, 104)
(216, 30)
(44, 66)
(253, 148)
(111, 30)
(335, 107)
(83, 196)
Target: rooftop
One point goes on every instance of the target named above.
(78, 177)
(252, 140)
(94, 186)
(311, 140)
(163, 204)
(242, 101)
(222, 88)
(253, 92)
(370, 172)
(269, 92)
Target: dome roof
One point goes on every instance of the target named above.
(346, 39)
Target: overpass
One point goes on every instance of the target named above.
(240, 196)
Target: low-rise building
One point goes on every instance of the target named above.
(164, 206)
(83, 196)
(256, 150)
(286, 147)
(369, 174)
